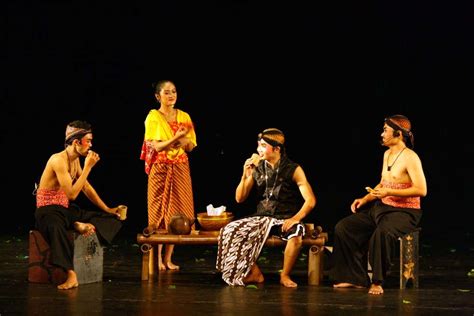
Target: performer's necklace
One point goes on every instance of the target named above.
(396, 158)
(72, 170)
(270, 194)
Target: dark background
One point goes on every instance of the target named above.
(326, 73)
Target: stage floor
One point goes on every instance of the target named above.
(197, 289)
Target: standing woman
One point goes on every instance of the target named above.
(169, 136)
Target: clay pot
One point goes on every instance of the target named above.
(180, 225)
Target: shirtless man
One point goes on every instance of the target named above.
(62, 180)
(387, 212)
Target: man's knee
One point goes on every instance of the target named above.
(341, 227)
(295, 242)
(385, 231)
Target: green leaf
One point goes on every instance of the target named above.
(406, 302)
(251, 286)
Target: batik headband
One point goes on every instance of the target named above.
(72, 131)
(396, 126)
(406, 129)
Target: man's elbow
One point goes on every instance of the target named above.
(311, 202)
(239, 199)
(71, 196)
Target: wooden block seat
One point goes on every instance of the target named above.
(409, 259)
(88, 259)
(314, 239)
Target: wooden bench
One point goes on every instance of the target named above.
(315, 239)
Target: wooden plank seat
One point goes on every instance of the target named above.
(315, 239)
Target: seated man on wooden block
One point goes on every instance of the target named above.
(62, 180)
(386, 213)
(286, 198)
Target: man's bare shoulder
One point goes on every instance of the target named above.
(57, 159)
(412, 155)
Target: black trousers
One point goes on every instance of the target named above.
(373, 230)
(54, 221)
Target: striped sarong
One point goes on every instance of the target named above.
(169, 193)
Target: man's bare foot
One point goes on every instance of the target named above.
(376, 289)
(71, 281)
(171, 266)
(286, 281)
(255, 276)
(85, 229)
(347, 285)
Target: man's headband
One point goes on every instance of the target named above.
(75, 132)
(273, 136)
(401, 123)
(405, 128)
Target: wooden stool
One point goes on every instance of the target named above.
(409, 265)
(88, 259)
(409, 255)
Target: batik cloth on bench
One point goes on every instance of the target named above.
(239, 245)
(241, 241)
